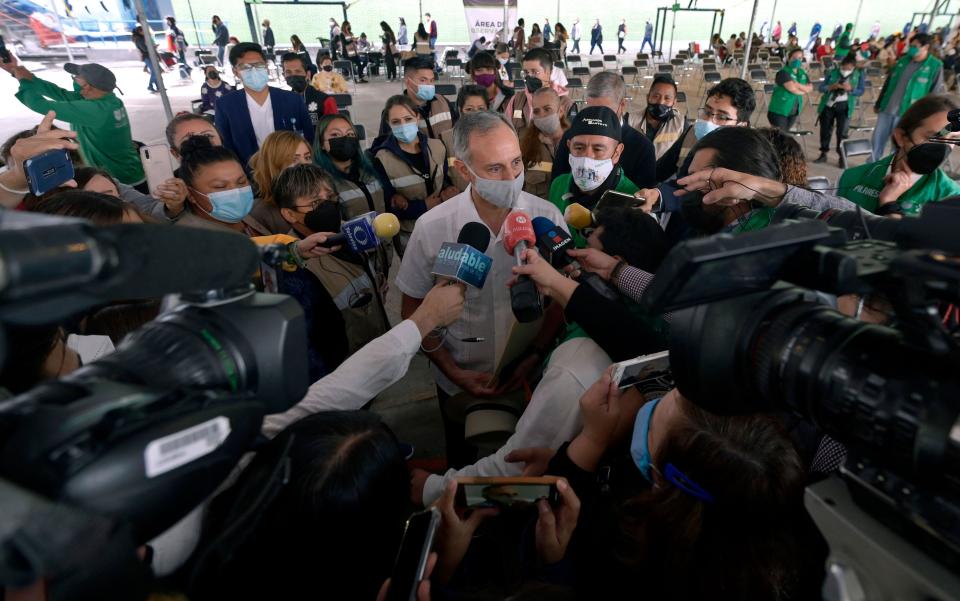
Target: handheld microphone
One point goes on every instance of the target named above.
(553, 243)
(578, 216)
(50, 272)
(518, 236)
(465, 261)
(365, 232)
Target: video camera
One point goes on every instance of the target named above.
(751, 332)
(145, 435)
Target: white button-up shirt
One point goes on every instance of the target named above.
(487, 313)
(261, 117)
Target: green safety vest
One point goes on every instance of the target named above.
(843, 45)
(783, 102)
(862, 185)
(559, 188)
(919, 85)
(832, 78)
(758, 219)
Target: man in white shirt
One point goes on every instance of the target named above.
(246, 117)
(488, 156)
(575, 36)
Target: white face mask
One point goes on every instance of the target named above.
(502, 193)
(846, 73)
(549, 124)
(589, 173)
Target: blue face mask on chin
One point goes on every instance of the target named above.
(230, 206)
(640, 444)
(701, 128)
(406, 133)
(426, 92)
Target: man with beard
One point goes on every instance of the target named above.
(596, 145)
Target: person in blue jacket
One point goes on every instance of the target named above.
(246, 117)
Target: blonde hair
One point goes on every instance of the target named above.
(272, 158)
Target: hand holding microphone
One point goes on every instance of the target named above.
(548, 280)
(518, 236)
(553, 243)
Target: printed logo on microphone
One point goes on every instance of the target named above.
(360, 234)
(463, 263)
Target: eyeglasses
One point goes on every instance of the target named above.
(250, 66)
(718, 118)
(315, 203)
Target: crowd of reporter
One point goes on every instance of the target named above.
(657, 496)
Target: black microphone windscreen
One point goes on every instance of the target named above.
(476, 235)
(154, 260)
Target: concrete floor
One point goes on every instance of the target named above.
(410, 405)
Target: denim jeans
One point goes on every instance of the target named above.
(882, 133)
(152, 85)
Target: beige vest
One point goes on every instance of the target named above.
(410, 183)
(689, 141)
(536, 178)
(440, 119)
(345, 282)
(353, 203)
(667, 135)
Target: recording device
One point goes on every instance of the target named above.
(464, 261)
(553, 243)
(506, 492)
(518, 236)
(749, 333)
(47, 171)
(4, 53)
(411, 563)
(647, 372)
(145, 435)
(578, 216)
(365, 232)
(156, 164)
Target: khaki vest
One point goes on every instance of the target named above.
(353, 203)
(689, 141)
(668, 134)
(536, 178)
(521, 111)
(409, 183)
(440, 119)
(346, 281)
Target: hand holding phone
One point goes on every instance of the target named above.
(456, 530)
(411, 565)
(648, 372)
(47, 171)
(505, 492)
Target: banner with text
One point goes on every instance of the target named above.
(485, 18)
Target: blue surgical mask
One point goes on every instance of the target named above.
(406, 133)
(701, 128)
(640, 444)
(255, 79)
(426, 91)
(230, 206)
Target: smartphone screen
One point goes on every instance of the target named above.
(647, 372)
(505, 492)
(412, 558)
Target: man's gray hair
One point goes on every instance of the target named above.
(479, 122)
(607, 84)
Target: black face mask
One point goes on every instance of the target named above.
(325, 218)
(660, 112)
(697, 216)
(344, 148)
(924, 159)
(327, 68)
(215, 76)
(533, 84)
(298, 83)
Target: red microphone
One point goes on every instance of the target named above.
(518, 236)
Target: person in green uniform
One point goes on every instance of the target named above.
(917, 73)
(93, 111)
(844, 44)
(910, 177)
(595, 144)
(840, 90)
(787, 99)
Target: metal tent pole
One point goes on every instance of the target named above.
(772, 14)
(63, 34)
(154, 59)
(746, 51)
